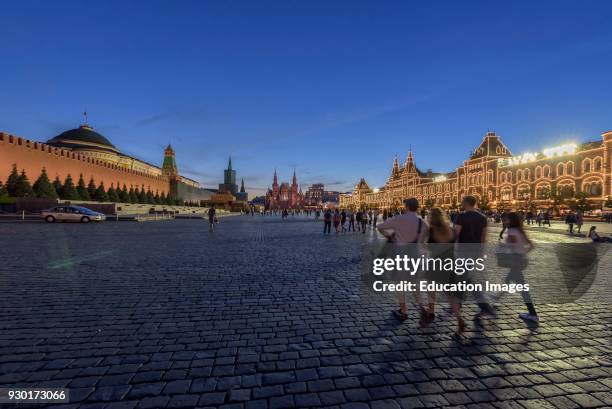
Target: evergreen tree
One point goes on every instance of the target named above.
(142, 195)
(112, 194)
(82, 189)
(162, 199)
(150, 197)
(11, 182)
(43, 186)
(133, 195)
(69, 191)
(100, 194)
(169, 200)
(91, 189)
(57, 185)
(23, 187)
(124, 196)
(3, 192)
(156, 198)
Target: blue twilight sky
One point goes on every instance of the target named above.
(332, 88)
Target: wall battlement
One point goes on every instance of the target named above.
(32, 156)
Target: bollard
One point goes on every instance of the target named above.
(23, 215)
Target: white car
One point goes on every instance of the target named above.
(71, 214)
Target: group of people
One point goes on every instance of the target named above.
(341, 218)
(469, 228)
(574, 218)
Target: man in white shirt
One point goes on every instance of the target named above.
(406, 230)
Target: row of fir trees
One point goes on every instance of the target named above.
(18, 185)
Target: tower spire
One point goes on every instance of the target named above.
(229, 164)
(275, 180)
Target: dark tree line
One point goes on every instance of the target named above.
(18, 185)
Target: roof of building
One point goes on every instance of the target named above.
(491, 145)
(589, 145)
(82, 137)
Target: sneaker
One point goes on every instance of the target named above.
(528, 317)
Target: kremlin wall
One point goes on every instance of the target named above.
(83, 151)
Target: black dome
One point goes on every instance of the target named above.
(81, 137)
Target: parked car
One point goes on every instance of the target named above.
(71, 214)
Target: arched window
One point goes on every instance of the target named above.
(519, 175)
(506, 193)
(592, 187)
(570, 168)
(523, 192)
(560, 169)
(503, 177)
(543, 191)
(586, 165)
(538, 172)
(597, 164)
(546, 171)
(490, 176)
(509, 176)
(526, 174)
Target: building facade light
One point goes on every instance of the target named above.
(561, 150)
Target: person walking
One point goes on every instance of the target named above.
(375, 219)
(343, 220)
(212, 218)
(470, 236)
(546, 219)
(351, 218)
(327, 221)
(406, 231)
(579, 221)
(441, 246)
(519, 245)
(570, 220)
(358, 218)
(364, 221)
(336, 221)
(503, 221)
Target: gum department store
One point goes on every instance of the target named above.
(503, 180)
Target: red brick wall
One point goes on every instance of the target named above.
(33, 156)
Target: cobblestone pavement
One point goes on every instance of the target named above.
(266, 314)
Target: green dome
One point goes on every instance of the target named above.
(81, 138)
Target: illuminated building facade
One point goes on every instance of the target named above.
(284, 196)
(494, 175)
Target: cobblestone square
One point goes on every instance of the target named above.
(266, 313)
